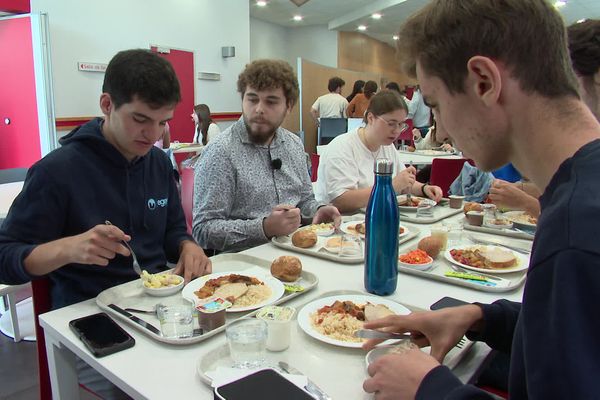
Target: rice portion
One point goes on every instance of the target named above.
(337, 326)
(255, 294)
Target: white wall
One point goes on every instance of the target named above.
(314, 43)
(93, 31)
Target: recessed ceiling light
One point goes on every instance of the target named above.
(376, 16)
(261, 3)
(395, 37)
(560, 3)
(580, 20)
(297, 17)
(362, 27)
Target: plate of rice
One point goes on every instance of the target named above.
(317, 320)
(246, 291)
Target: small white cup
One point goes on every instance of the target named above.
(278, 320)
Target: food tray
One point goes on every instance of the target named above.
(502, 232)
(220, 356)
(429, 153)
(440, 212)
(285, 242)
(506, 283)
(131, 295)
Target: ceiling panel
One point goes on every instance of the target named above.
(356, 12)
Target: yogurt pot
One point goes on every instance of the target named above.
(456, 201)
(475, 218)
(278, 321)
(211, 313)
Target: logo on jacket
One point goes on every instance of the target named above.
(160, 203)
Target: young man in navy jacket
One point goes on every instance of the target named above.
(498, 78)
(107, 169)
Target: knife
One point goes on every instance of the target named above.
(373, 334)
(135, 319)
(311, 387)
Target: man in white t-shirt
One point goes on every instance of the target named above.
(332, 104)
(419, 112)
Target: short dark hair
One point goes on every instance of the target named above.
(393, 86)
(528, 36)
(334, 83)
(385, 101)
(270, 74)
(584, 46)
(144, 74)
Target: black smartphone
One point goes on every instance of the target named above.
(445, 302)
(266, 384)
(101, 335)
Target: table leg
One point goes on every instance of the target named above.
(14, 319)
(63, 370)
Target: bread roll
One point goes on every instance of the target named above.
(472, 206)
(304, 238)
(431, 245)
(286, 268)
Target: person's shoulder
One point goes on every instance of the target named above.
(342, 144)
(291, 136)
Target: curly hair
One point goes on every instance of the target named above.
(268, 75)
(584, 46)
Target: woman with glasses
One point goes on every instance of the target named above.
(345, 174)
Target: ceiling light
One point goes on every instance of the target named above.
(362, 27)
(560, 3)
(395, 37)
(261, 3)
(297, 17)
(376, 16)
(580, 20)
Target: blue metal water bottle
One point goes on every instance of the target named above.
(381, 238)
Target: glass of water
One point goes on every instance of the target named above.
(425, 208)
(247, 340)
(176, 321)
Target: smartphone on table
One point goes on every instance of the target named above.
(446, 301)
(266, 384)
(101, 335)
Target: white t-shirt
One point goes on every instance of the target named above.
(418, 111)
(213, 131)
(331, 105)
(346, 163)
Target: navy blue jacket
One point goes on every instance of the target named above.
(553, 336)
(80, 185)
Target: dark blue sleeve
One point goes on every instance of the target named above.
(440, 383)
(36, 216)
(500, 319)
(176, 230)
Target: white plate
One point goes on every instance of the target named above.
(313, 306)
(345, 227)
(522, 261)
(277, 289)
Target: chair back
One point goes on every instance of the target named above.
(329, 128)
(444, 171)
(187, 195)
(41, 304)
(314, 166)
(12, 175)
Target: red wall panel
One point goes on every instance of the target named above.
(15, 6)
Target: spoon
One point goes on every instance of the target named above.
(136, 265)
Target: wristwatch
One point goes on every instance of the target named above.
(423, 190)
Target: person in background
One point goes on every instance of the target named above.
(356, 89)
(504, 90)
(393, 86)
(251, 183)
(430, 141)
(106, 170)
(345, 175)
(584, 47)
(419, 112)
(515, 196)
(360, 102)
(206, 130)
(165, 140)
(332, 104)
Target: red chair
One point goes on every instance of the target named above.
(41, 304)
(444, 171)
(187, 196)
(314, 166)
(407, 135)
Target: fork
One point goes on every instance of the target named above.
(136, 264)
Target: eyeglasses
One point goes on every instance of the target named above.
(402, 126)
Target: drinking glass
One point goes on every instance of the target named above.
(176, 321)
(350, 246)
(455, 233)
(425, 208)
(247, 340)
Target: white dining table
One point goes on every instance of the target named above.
(154, 370)
(8, 193)
(186, 147)
(408, 157)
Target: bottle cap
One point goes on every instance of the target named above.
(384, 166)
